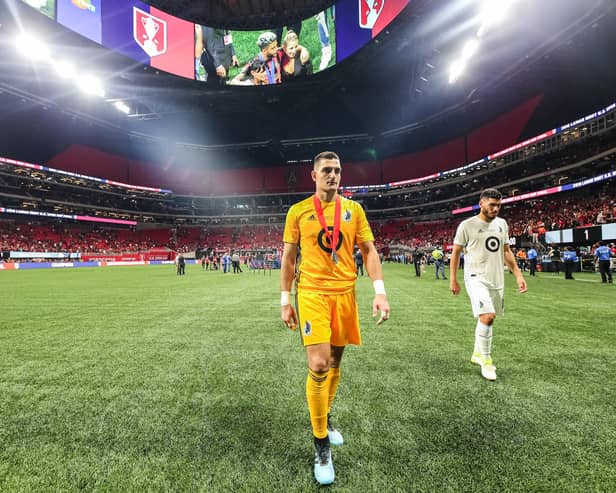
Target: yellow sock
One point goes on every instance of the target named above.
(317, 393)
(333, 379)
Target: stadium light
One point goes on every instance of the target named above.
(65, 69)
(31, 48)
(91, 85)
(456, 70)
(470, 48)
(122, 106)
(493, 12)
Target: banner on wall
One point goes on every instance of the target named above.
(149, 36)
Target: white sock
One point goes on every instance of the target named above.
(326, 56)
(483, 340)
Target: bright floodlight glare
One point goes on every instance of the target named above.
(470, 48)
(65, 69)
(91, 85)
(492, 13)
(31, 48)
(457, 69)
(122, 106)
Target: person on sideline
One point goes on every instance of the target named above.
(532, 260)
(439, 262)
(484, 238)
(602, 259)
(326, 227)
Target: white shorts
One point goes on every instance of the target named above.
(485, 299)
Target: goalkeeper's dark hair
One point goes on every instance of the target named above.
(491, 193)
(324, 155)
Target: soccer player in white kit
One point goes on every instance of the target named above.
(485, 241)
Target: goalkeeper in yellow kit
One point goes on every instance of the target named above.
(326, 227)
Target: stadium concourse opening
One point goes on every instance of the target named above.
(127, 159)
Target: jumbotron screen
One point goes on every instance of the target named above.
(221, 56)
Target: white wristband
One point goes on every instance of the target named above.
(284, 298)
(379, 286)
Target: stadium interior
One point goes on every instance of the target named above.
(117, 161)
(232, 160)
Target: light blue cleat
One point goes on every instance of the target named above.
(323, 464)
(335, 437)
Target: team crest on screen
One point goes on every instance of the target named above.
(369, 11)
(307, 328)
(149, 32)
(348, 215)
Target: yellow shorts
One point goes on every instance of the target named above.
(328, 318)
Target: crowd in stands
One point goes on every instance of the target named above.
(417, 216)
(528, 220)
(22, 236)
(530, 169)
(591, 206)
(60, 237)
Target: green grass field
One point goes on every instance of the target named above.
(132, 379)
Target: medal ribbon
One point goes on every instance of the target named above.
(333, 238)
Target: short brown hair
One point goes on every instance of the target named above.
(491, 193)
(324, 155)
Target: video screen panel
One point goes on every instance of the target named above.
(559, 236)
(178, 58)
(608, 231)
(265, 57)
(148, 35)
(587, 235)
(219, 56)
(81, 16)
(46, 7)
(359, 21)
(123, 25)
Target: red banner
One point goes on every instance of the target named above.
(130, 257)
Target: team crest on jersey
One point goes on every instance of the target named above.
(347, 216)
(324, 242)
(492, 244)
(369, 12)
(307, 328)
(149, 32)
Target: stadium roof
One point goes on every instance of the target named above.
(390, 97)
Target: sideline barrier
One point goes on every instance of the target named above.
(71, 265)
(128, 257)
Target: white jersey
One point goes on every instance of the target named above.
(484, 249)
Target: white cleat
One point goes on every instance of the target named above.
(335, 437)
(476, 358)
(323, 464)
(488, 371)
